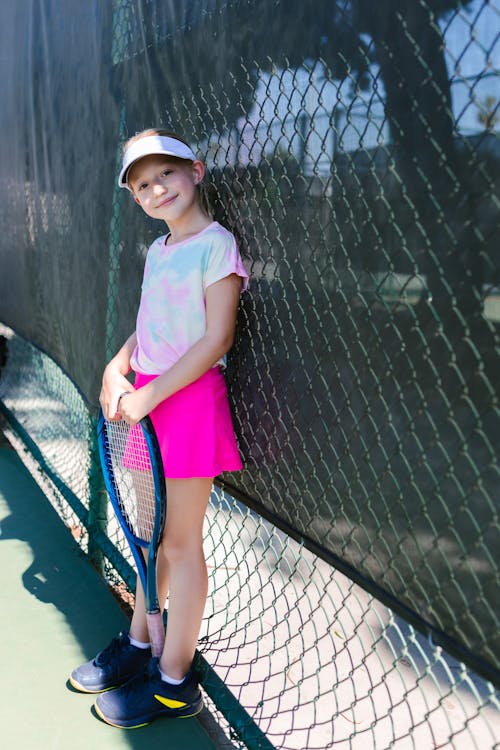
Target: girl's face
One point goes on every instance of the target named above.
(165, 187)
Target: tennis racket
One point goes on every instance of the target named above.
(133, 473)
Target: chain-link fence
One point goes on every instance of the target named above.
(355, 149)
(313, 660)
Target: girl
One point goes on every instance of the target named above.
(193, 278)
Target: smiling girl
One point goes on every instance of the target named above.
(185, 326)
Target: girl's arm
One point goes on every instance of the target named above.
(222, 300)
(114, 382)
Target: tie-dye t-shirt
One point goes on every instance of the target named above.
(172, 314)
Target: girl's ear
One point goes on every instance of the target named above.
(198, 171)
(137, 200)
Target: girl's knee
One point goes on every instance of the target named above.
(176, 550)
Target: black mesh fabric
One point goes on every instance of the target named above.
(355, 148)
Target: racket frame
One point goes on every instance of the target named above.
(146, 570)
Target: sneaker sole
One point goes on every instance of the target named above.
(147, 721)
(83, 689)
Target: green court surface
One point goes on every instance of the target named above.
(55, 613)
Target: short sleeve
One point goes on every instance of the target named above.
(224, 259)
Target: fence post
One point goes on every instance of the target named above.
(98, 501)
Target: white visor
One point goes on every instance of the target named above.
(152, 144)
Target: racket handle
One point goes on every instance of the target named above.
(156, 633)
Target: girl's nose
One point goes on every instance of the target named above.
(159, 186)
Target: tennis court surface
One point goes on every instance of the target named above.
(55, 613)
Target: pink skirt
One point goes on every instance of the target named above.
(195, 429)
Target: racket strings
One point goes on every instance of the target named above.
(128, 453)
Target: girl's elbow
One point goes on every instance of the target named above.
(226, 343)
(221, 345)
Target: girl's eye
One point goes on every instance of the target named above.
(166, 172)
(143, 185)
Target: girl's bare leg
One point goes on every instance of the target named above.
(182, 548)
(138, 625)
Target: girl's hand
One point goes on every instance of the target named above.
(114, 384)
(134, 406)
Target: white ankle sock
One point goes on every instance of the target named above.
(170, 680)
(138, 644)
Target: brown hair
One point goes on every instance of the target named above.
(202, 189)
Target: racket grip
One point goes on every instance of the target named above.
(156, 633)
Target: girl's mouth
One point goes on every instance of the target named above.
(167, 201)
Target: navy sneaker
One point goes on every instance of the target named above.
(112, 667)
(147, 697)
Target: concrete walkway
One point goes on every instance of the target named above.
(55, 613)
